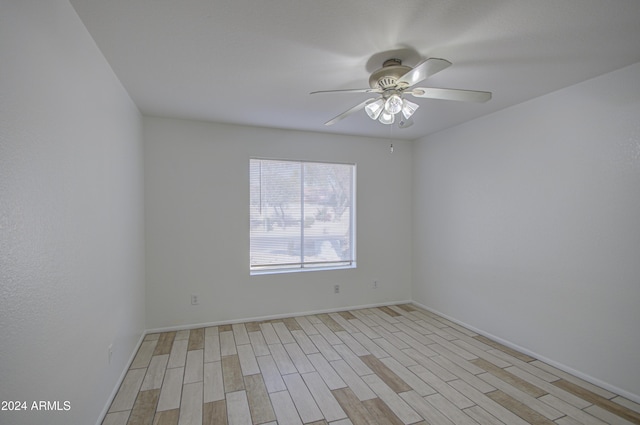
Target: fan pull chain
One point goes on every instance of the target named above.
(391, 138)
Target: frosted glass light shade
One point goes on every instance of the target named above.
(393, 105)
(408, 108)
(374, 109)
(386, 118)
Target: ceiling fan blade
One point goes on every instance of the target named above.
(345, 114)
(423, 70)
(348, 91)
(451, 94)
(405, 122)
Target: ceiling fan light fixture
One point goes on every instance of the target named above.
(387, 118)
(408, 108)
(374, 109)
(393, 105)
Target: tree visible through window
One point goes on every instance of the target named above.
(301, 215)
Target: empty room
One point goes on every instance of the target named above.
(319, 212)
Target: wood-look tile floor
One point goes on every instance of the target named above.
(388, 365)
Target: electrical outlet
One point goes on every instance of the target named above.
(336, 289)
(194, 299)
(109, 352)
(375, 284)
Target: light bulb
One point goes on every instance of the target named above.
(374, 109)
(393, 104)
(408, 108)
(386, 118)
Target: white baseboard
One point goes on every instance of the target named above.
(271, 317)
(562, 367)
(105, 410)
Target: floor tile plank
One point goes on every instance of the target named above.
(510, 378)
(446, 390)
(351, 378)
(144, 408)
(269, 333)
(324, 398)
(504, 348)
(270, 373)
(578, 414)
(598, 400)
(306, 325)
(238, 412)
(549, 387)
(213, 382)
(165, 341)
(214, 413)
(299, 359)
(196, 339)
(387, 375)
(248, 362)
(324, 347)
(303, 340)
(354, 361)
(426, 409)
(451, 411)
(191, 404)
(413, 381)
(353, 407)
(381, 413)
(259, 402)
(284, 408)
(178, 355)
(463, 374)
(128, 391)
(344, 323)
(283, 333)
(330, 322)
(232, 374)
(211, 345)
(401, 409)
(327, 333)
(364, 328)
(171, 391)
(520, 396)
(227, 344)
(240, 334)
(167, 417)
(291, 324)
(144, 354)
(282, 359)
(302, 398)
(193, 371)
(348, 339)
(495, 409)
(530, 415)
(258, 343)
(116, 418)
(328, 373)
(155, 372)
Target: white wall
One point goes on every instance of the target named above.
(197, 223)
(71, 229)
(527, 226)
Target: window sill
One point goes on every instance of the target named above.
(300, 270)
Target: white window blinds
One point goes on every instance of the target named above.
(301, 215)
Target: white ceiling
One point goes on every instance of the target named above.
(254, 62)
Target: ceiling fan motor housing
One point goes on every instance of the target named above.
(387, 76)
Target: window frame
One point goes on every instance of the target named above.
(303, 266)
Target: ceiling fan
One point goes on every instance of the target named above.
(395, 80)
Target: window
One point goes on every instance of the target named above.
(301, 215)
